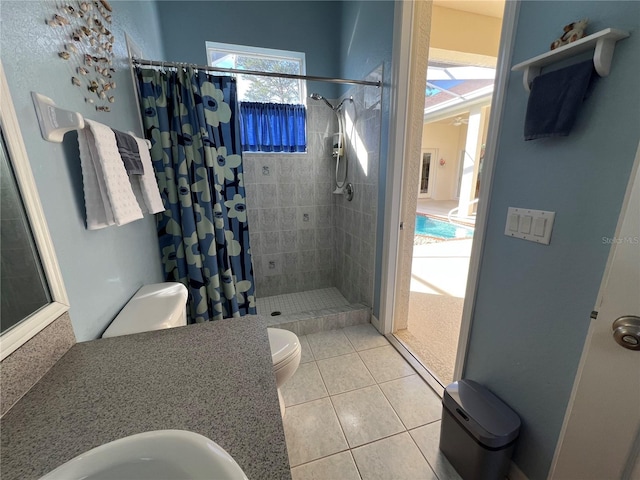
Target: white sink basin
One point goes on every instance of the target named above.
(158, 455)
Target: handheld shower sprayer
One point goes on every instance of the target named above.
(339, 152)
(317, 96)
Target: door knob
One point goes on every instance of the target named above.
(626, 331)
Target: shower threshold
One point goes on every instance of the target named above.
(312, 311)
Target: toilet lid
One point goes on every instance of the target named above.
(153, 307)
(283, 344)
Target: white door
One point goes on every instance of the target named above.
(602, 429)
(427, 172)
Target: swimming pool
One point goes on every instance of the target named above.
(439, 229)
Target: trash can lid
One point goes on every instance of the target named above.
(484, 415)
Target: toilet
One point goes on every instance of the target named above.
(153, 307)
(285, 355)
(163, 305)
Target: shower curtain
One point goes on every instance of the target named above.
(192, 122)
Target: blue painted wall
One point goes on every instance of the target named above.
(102, 269)
(366, 37)
(366, 42)
(532, 310)
(310, 26)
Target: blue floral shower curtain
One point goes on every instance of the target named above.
(191, 119)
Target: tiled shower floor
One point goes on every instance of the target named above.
(291, 303)
(312, 311)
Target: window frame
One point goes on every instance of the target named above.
(261, 52)
(18, 160)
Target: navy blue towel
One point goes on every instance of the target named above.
(555, 100)
(128, 149)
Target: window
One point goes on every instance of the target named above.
(272, 109)
(252, 88)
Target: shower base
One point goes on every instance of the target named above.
(312, 311)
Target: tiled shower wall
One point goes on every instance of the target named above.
(355, 221)
(290, 211)
(302, 236)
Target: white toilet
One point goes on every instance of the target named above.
(163, 305)
(153, 307)
(285, 354)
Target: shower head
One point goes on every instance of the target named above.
(317, 96)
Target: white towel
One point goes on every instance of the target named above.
(145, 186)
(109, 198)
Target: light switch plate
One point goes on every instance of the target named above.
(538, 218)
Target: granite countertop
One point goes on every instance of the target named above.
(215, 379)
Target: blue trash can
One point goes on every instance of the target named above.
(478, 431)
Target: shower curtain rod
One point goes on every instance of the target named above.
(155, 63)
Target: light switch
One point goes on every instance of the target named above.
(538, 226)
(514, 218)
(528, 224)
(525, 225)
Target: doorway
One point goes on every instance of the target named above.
(427, 172)
(443, 237)
(438, 283)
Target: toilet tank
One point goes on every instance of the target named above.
(153, 307)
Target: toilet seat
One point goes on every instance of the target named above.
(285, 346)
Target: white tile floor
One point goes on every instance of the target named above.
(356, 410)
(290, 303)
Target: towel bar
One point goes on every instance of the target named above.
(603, 43)
(55, 121)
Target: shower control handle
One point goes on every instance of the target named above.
(349, 191)
(626, 331)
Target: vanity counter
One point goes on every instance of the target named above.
(215, 379)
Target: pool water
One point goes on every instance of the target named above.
(439, 229)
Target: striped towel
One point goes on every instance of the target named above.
(145, 186)
(128, 148)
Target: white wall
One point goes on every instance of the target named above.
(449, 140)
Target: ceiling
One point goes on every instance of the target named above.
(491, 8)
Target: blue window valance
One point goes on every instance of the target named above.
(273, 127)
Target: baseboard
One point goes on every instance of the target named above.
(515, 473)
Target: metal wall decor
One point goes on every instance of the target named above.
(87, 44)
